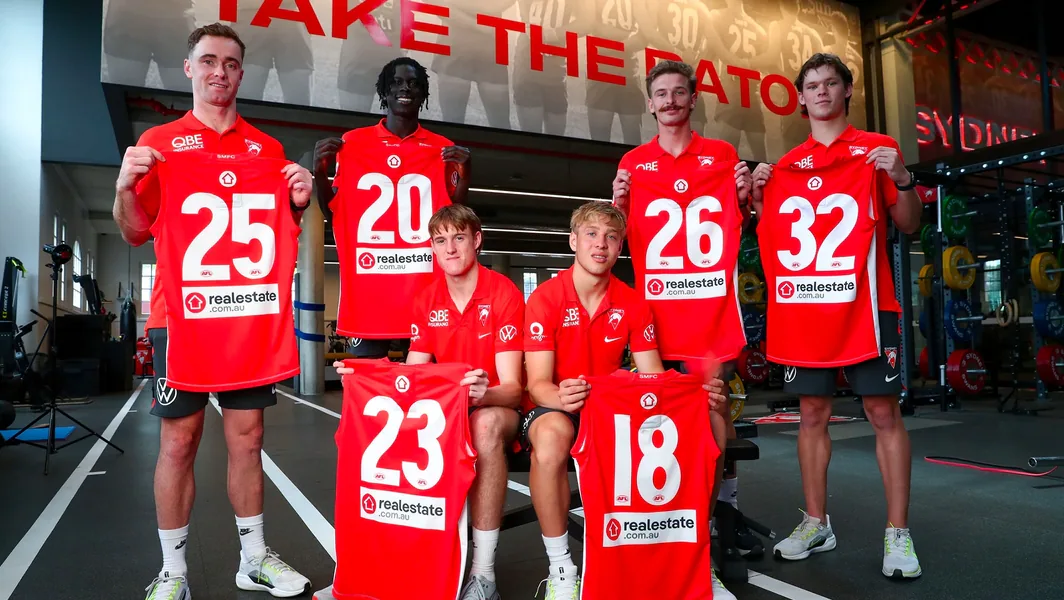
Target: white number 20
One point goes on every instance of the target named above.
(825, 255)
(244, 232)
(404, 189)
(653, 458)
(428, 439)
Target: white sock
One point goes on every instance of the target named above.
(729, 492)
(484, 545)
(561, 561)
(252, 536)
(174, 542)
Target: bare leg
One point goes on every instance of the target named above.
(530, 118)
(496, 100)
(492, 427)
(295, 85)
(175, 482)
(894, 455)
(551, 436)
(243, 437)
(599, 124)
(454, 97)
(814, 453)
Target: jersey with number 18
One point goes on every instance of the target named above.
(645, 460)
(817, 235)
(404, 466)
(387, 189)
(225, 242)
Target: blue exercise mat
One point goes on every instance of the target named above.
(38, 434)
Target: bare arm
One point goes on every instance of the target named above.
(648, 361)
(418, 358)
(324, 156)
(907, 212)
(508, 392)
(541, 386)
(132, 220)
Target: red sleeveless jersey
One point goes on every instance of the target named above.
(818, 238)
(645, 460)
(404, 466)
(684, 227)
(387, 189)
(226, 242)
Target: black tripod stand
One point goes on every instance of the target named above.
(48, 386)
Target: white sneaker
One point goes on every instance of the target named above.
(719, 591)
(899, 556)
(811, 536)
(269, 573)
(561, 586)
(166, 587)
(480, 588)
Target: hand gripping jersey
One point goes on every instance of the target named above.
(684, 227)
(387, 189)
(818, 238)
(404, 467)
(226, 240)
(645, 460)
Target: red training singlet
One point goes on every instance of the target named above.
(405, 462)
(684, 227)
(387, 189)
(226, 242)
(645, 459)
(818, 239)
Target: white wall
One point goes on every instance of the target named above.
(119, 263)
(59, 198)
(22, 36)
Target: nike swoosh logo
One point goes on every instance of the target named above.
(889, 379)
(483, 335)
(609, 339)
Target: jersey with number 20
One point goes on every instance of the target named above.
(818, 238)
(387, 189)
(404, 466)
(226, 242)
(645, 460)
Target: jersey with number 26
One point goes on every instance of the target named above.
(387, 189)
(818, 238)
(645, 460)
(226, 242)
(404, 466)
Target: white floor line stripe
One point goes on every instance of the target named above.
(98, 473)
(310, 404)
(18, 562)
(318, 525)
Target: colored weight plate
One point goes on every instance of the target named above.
(927, 272)
(749, 254)
(922, 364)
(958, 374)
(952, 260)
(955, 223)
(927, 240)
(923, 322)
(754, 324)
(960, 331)
(750, 289)
(1049, 319)
(1048, 364)
(1039, 236)
(737, 404)
(1043, 280)
(753, 365)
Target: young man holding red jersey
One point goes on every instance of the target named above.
(576, 325)
(825, 85)
(676, 159)
(396, 142)
(215, 56)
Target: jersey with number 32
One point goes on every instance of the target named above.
(645, 460)
(387, 189)
(404, 466)
(818, 238)
(226, 243)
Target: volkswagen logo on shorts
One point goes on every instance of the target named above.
(164, 394)
(789, 373)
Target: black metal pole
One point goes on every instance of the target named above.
(1043, 67)
(954, 81)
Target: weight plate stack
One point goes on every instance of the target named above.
(956, 277)
(1041, 277)
(927, 273)
(955, 221)
(966, 372)
(1039, 236)
(753, 365)
(737, 404)
(1049, 362)
(923, 322)
(959, 330)
(1048, 319)
(927, 240)
(754, 324)
(749, 254)
(750, 289)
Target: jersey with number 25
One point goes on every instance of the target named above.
(404, 466)
(226, 242)
(387, 189)
(818, 238)
(645, 459)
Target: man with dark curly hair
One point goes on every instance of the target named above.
(390, 178)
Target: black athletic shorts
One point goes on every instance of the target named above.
(880, 376)
(366, 348)
(171, 403)
(727, 369)
(537, 412)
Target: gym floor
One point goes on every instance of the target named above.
(87, 530)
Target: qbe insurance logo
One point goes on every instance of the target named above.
(405, 510)
(837, 289)
(681, 286)
(230, 301)
(393, 261)
(640, 529)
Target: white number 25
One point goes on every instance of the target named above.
(244, 232)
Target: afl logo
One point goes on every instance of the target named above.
(369, 504)
(402, 384)
(655, 287)
(648, 401)
(394, 162)
(613, 530)
(366, 260)
(227, 179)
(815, 183)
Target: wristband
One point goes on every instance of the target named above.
(911, 185)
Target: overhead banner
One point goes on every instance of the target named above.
(573, 68)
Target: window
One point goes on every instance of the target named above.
(147, 280)
(55, 230)
(992, 284)
(530, 281)
(62, 270)
(75, 292)
(92, 267)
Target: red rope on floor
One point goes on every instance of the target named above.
(984, 467)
